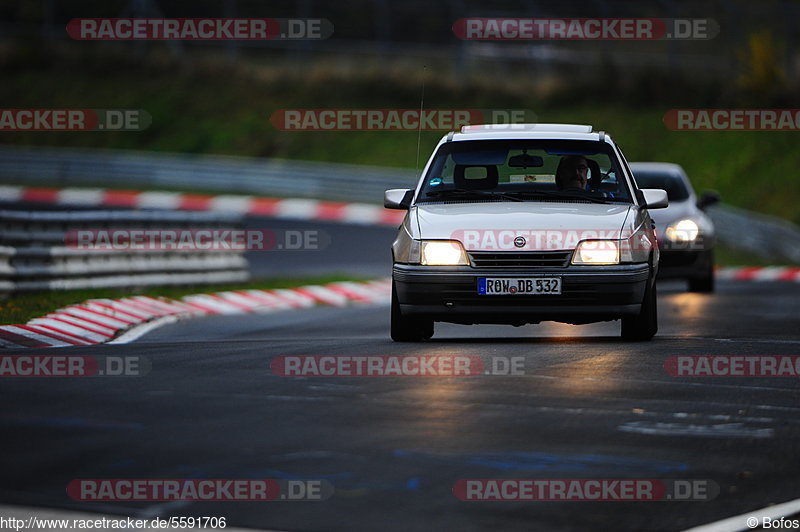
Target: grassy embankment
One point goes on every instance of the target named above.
(221, 112)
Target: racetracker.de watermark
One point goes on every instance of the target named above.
(732, 119)
(395, 366)
(550, 239)
(584, 29)
(395, 119)
(211, 489)
(208, 239)
(74, 120)
(198, 29)
(73, 366)
(578, 489)
(733, 366)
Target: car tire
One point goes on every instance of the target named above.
(643, 326)
(405, 329)
(705, 283)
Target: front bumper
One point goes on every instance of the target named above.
(681, 264)
(589, 294)
(686, 259)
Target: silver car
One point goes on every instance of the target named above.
(521, 224)
(685, 233)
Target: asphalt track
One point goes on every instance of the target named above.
(348, 249)
(586, 406)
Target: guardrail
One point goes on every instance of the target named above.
(763, 235)
(228, 174)
(767, 236)
(35, 255)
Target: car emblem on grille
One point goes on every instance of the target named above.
(520, 242)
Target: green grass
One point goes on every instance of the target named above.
(19, 308)
(727, 256)
(216, 110)
(744, 167)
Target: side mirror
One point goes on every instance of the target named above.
(398, 198)
(655, 198)
(708, 198)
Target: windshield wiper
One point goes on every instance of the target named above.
(566, 195)
(463, 191)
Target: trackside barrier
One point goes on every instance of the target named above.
(34, 254)
(226, 174)
(767, 236)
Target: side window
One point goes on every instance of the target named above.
(441, 172)
(447, 171)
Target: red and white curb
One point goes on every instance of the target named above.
(293, 208)
(759, 273)
(122, 320)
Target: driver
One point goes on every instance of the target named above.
(572, 173)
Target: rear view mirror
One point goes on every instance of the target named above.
(526, 161)
(708, 198)
(655, 198)
(398, 198)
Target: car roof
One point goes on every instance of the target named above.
(526, 131)
(653, 166)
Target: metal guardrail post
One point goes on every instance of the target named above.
(35, 253)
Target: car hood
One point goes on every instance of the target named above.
(451, 221)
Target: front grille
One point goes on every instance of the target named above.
(527, 259)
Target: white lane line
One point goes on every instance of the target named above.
(676, 382)
(513, 410)
(137, 331)
(739, 523)
(719, 430)
(731, 340)
(755, 340)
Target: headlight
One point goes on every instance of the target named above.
(682, 231)
(596, 252)
(443, 253)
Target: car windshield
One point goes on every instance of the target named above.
(524, 170)
(673, 184)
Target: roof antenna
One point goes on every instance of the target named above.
(419, 130)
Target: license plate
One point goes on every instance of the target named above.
(501, 286)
